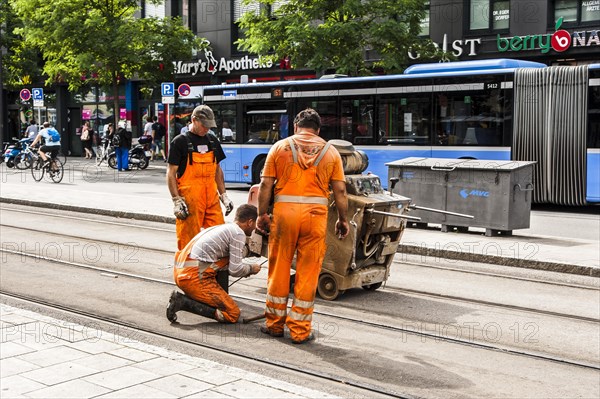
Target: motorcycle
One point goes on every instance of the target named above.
(139, 156)
(13, 154)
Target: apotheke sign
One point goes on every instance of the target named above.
(212, 65)
(559, 41)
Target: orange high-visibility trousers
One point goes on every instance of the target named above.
(199, 188)
(294, 227)
(200, 283)
(205, 288)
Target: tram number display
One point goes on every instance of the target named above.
(276, 93)
(492, 86)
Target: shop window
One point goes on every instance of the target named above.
(577, 11)
(489, 15)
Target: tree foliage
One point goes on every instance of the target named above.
(334, 34)
(85, 42)
(20, 63)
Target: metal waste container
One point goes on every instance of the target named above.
(497, 193)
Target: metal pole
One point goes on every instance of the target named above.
(393, 214)
(422, 208)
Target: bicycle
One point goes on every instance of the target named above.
(54, 167)
(103, 152)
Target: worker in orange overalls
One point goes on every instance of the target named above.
(299, 171)
(195, 179)
(196, 266)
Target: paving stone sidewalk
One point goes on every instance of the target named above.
(44, 357)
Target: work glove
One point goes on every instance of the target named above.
(180, 208)
(227, 202)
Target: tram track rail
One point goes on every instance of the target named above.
(387, 286)
(401, 330)
(100, 219)
(369, 389)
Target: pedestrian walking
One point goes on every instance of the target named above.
(213, 250)
(158, 133)
(195, 179)
(299, 171)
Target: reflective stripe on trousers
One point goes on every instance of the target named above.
(199, 281)
(301, 226)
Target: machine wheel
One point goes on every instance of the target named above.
(328, 287)
(372, 287)
(257, 170)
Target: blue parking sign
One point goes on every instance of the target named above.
(37, 94)
(167, 89)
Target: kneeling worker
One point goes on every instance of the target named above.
(196, 266)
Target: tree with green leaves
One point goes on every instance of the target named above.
(101, 42)
(335, 34)
(19, 62)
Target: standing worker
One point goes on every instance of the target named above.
(195, 179)
(196, 267)
(301, 169)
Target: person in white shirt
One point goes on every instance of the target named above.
(214, 249)
(186, 128)
(32, 130)
(52, 141)
(148, 126)
(226, 132)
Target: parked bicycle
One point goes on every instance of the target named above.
(103, 152)
(53, 167)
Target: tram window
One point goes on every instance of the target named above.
(356, 124)
(183, 114)
(405, 120)
(265, 126)
(469, 118)
(226, 118)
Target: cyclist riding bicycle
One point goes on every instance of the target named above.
(51, 141)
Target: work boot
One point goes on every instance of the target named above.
(310, 337)
(265, 330)
(175, 305)
(198, 308)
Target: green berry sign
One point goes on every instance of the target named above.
(559, 41)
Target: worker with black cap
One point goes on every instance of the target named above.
(195, 179)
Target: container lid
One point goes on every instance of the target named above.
(452, 164)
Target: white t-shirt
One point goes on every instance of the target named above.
(227, 133)
(32, 131)
(148, 128)
(220, 241)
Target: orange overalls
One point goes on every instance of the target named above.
(199, 188)
(299, 224)
(199, 281)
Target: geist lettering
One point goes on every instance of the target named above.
(458, 47)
